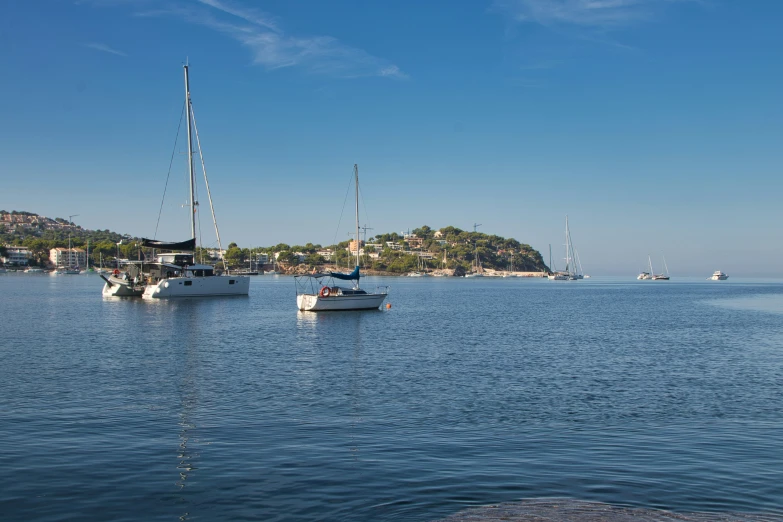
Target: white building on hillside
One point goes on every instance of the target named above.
(63, 257)
(16, 255)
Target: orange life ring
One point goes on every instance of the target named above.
(325, 292)
(116, 272)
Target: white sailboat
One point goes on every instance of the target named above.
(176, 274)
(318, 292)
(647, 275)
(571, 272)
(661, 277)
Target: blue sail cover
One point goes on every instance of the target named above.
(353, 276)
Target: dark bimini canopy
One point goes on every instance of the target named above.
(190, 244)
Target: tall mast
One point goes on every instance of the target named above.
(551, 268)
(356, 180)
(568, 249)
(190, 159)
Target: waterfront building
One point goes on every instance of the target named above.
(68, 257)
(16, 255)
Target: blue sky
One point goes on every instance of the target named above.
(656, 125)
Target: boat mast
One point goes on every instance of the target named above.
(356, 182)
(551, 269)
(649, 259)
(666, 266)
(190, 158)
(569, 253)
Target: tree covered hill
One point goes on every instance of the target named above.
(390, 252)
(40, 234)
(423, 248)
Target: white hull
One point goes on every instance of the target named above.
(121, 288)
(719, 278)
(66, 271)
(198, 287)
(315, 303)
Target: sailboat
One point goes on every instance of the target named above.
(661, 277)
(555, 275)
(89, 269)
(477, 270)
(645, 274)
(176, 274)
(571, 265)
(420, 270)
(441, 271)
(101, 270)
(571, 273)
(318, 292)
(249, 271)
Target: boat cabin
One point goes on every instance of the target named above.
(178, 264)
(176, 258)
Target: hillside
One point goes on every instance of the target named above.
(423, 248)
(41, 233)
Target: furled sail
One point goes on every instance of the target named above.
(188, 245)
(353, 276)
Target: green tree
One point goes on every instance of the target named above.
(234, 256)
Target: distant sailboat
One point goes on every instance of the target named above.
(662, 277)
(554, 274)
(647, 275)
(571, 273)
(88, 270)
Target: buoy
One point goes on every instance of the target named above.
(388, 306)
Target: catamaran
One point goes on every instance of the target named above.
(318, 292)
(176, 273)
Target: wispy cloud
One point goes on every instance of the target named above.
(105, 48)
(272, 47)
(586, 13)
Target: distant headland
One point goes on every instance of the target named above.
(447, 251)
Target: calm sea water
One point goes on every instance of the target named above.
(664, 395)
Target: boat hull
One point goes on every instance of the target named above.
(211, 286)
(316, 303)
(115, 287)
